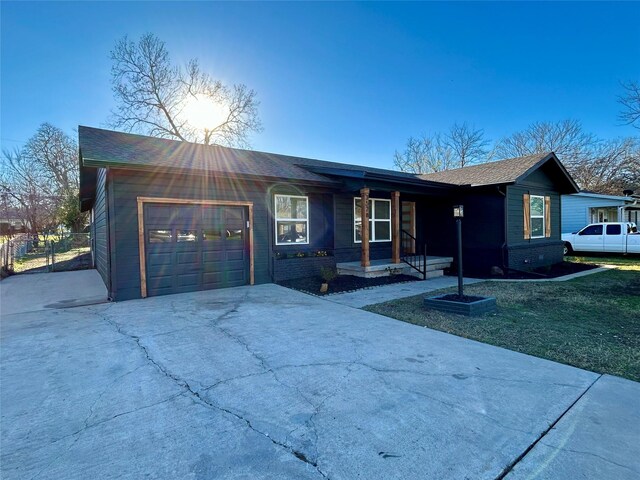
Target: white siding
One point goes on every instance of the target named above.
(576, 208)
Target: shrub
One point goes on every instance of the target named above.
(328, 274)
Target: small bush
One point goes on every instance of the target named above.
(328, 274)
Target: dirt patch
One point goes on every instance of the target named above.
(76, 261)
(343, 283)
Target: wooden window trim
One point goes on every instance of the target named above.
(528, 216)
(547, 216)
(183, 201)
(526, 210)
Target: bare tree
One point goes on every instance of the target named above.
(630, 102)
(613, 166)
(467, 143)
(56, 154)
(462, 145)
(27, 191)
(566, 139)
(602, 166)
(41, 180)
(425, 155)
(154, 97)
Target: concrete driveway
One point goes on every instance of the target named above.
(264, 382)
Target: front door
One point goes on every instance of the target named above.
(408, 224)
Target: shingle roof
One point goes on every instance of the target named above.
(105, 147)
(492, 173)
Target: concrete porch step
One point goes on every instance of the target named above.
(384, 268)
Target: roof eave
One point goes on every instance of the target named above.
(88, 162)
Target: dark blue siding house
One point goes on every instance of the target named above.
(169, 217)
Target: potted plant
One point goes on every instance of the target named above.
(327, 274)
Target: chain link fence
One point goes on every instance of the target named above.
(54, 253)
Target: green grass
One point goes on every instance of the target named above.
(592, 322)
(619, 260)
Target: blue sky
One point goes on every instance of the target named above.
(345, 82)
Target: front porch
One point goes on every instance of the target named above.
(382, 268)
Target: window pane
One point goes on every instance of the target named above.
(592, 230)
(382, 210)
(283, 206)
(186, 235)
(537, 206)
(614, 229)
(291, 207)
(382, 231)
(299, 208)
(358, 227)
(209, 234)
(537, 227)
(358, 210)
(159, 236)
(234, 234)
(291, 232)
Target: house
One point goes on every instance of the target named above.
(583, 208)
(11, 222)
(171, 217)
(511, 212)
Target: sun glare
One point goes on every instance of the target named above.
(203, 113)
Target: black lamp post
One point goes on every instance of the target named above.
(458, 213)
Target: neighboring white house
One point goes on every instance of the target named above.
(581, 209)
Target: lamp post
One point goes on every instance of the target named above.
(458, 213)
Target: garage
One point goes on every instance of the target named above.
(190, 246)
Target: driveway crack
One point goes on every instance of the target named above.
(196, 395)
(518, 459)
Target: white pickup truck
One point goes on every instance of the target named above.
(613, 237)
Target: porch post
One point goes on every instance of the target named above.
(395, 227)
(364, 233)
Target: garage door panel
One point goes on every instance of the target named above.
(237, 255)
(213, 277)
(187, 258)
(236, 278)
(233, 213)
(160, 281)
(188, 279)
(195, 247)
(158, 214)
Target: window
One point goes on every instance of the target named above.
(379, 220)
(592, 230)
(234, 234)
(292, 220)
(160, 236)
(537, 216)
(614, 229)
(211, 234)
(186, 235)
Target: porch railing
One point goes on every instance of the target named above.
(412, 253)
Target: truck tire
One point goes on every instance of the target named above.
(567, 248)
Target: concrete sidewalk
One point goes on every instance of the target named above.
(40, 291)
(598, 437)
(385, 293)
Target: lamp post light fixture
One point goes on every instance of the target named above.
(458, 213)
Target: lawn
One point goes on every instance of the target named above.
(592, 322)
